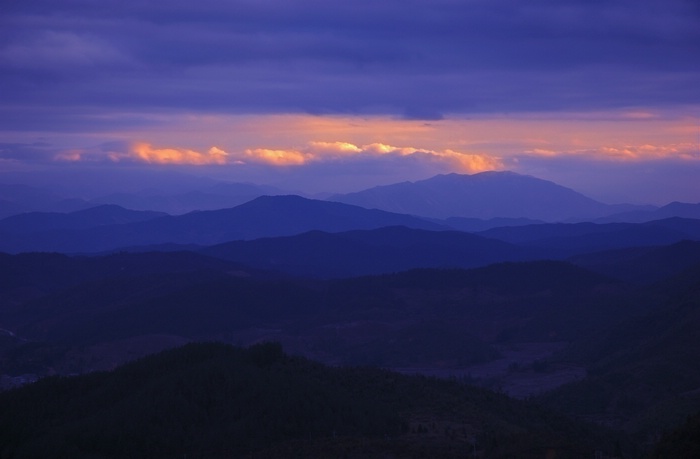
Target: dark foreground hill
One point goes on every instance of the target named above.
(642, 264)
(426, 318)
(638, 344)
(30, 275)
(215, 401)
(643, 373)
(681, 443)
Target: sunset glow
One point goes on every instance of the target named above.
(349, 103)
(341, 151)
(504, 193)
(147, 153)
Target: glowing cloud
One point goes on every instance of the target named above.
(474, 163)
(315, 152)
(146, 152)
(341, 148)
(645, 152)
(276, 157)
(650, 152)
(342, 151)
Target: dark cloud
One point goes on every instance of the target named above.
(417, 59)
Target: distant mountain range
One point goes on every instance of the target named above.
(219, 196)
(506, 295)
(267, 216)
(16, 199)
(34, 222)
(485, 195)
(561, 240)
(307, 237)
(394, 249)
(473, 202)
(674, 209)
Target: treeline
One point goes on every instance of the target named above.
(215, 400)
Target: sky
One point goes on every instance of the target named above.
(328, 96)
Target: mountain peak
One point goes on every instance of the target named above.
(483, 195)
(484, 174)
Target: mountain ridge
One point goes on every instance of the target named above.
(265, 216)
(672, 209)
(104, 214)
(365, 252)
(484, 195)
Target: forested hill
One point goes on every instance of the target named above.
(215, 401)
(643, 373)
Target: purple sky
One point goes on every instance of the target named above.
(334, 96)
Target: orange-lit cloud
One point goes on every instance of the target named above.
(335, 151)
(312, 152)
(299, 139)
(276, 157)
(645, 152)
(146, 152)
(459, 145)
(340, 148)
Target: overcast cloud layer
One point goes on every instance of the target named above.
(87, 78)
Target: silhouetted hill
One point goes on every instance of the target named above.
(109, 303)
(263, 217)
(34, 222)
(30, 275)
(212, 400)
(642, 264)
(484, 195)
(568, 239)
(528, 278)
(680, 443)
(473, 225)
(643, 373)
(363, 252)
(219, 196)
(674, 209)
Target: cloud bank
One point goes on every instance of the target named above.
(314, 152)
(419, 60)
(323, 92)
(149, 154)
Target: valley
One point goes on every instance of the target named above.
(384, 229)
(591, 321)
